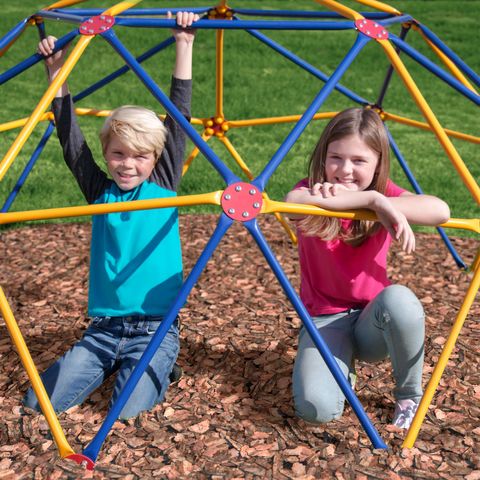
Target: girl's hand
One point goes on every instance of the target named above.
(396, 224)
(184, 20)
(327, 190)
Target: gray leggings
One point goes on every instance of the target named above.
(391, 325)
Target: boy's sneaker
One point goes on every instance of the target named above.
(404, 413)
(175, 374)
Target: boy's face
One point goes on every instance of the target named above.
(127, 167)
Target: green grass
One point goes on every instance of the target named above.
(257, 83)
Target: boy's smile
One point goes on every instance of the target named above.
(128, 167)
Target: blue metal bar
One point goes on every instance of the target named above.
(117, 73)
(172, 110)
(236, 25)
(390, 69)
(13, 34)
(411, 178)
(395, 19)
(300, 126)
(35, 58)
(91, 451)
(305, 14)
(66, 17)
(91, 12)
(28, 167)
(322, 347)
(306, 66)
(450, 54)
(424, 61)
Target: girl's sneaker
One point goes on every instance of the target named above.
(404, 413)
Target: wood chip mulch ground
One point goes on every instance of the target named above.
(231, 414)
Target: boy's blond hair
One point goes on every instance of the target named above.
(138, 127)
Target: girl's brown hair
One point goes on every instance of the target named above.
(367, 124)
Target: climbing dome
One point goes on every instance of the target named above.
(383, 30)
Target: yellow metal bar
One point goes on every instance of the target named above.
(219, 75)
(273, 120)
(432, 120)
(456, 72)
(212, 198)
(270, 206)
(38, 387)
(193, 155)
(249, 174)
(476, 262)
(63, 3)
(442, 362)
(341, 9)
(426, 126)
(43, 104)
(383, 7)
(49, 116)
(121, 7)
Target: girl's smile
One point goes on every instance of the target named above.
(350, 162)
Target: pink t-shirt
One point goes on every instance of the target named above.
(336, 276)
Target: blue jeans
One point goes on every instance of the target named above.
(109, 345)
(391, 325)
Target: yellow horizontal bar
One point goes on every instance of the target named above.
(442, 362)
(273, 120)
(49, 116)
(212, 198)
(38, 387)
(270, 206)
(426, 126)
(341, 9)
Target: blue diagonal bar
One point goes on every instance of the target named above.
(395, 19)
(14, 33)
(117, 73)
(172, 110)
(91, 451)
(300, 126)
(35, 58)
(435, 69)
(303, 64)
(21, 180)
(450, 54)
(322, 347)
(415, 185)
(65, 17)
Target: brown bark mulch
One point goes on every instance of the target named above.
(231, 414)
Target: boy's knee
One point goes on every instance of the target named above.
(314, 412)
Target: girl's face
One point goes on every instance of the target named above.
(350, 162)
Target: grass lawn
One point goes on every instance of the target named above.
(258, 83)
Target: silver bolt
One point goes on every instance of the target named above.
(252, 191)
(256, 205)
(375, 25)
(103, 27)
(231, 210)
(227, 196)
(368, 32)
(102, 17)
(238, 188)
(90, 20)
(245, 214)
(90, 31)
(384, 32)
